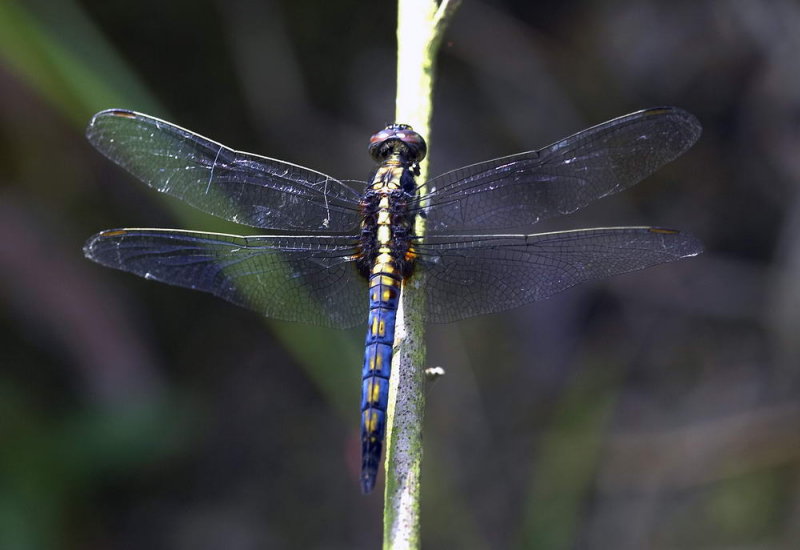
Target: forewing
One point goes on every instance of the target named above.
(520, 190)
(308, 279)
(464, 276)
(240, 187)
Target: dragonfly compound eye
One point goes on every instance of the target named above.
(397, 138)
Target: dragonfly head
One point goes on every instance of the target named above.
(400, 139)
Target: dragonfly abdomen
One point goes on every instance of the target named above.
(384, 294)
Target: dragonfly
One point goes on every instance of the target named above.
(335, 255)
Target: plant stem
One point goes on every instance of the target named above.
(420, 26)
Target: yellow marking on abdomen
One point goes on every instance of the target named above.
(374, 391)
(383, 268)
(378, 326)
(376, 362)
(385, 280)
(370, 420)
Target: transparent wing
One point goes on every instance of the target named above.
(240, 187)
(464, 276)
(519, 190)
(308, 279)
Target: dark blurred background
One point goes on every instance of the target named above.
(659, 409)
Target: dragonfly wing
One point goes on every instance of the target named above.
(472, 275)
(240, 187)
(308, 279)
(519, 190)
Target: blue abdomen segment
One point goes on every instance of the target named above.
(383, 298)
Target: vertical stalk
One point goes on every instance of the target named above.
(419, 31)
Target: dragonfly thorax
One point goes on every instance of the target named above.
(387, 213)
(386, 228)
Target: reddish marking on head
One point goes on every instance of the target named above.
(397, 137)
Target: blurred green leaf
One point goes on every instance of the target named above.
(567, 458)
(48, 464)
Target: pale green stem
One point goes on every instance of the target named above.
(419, 31)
